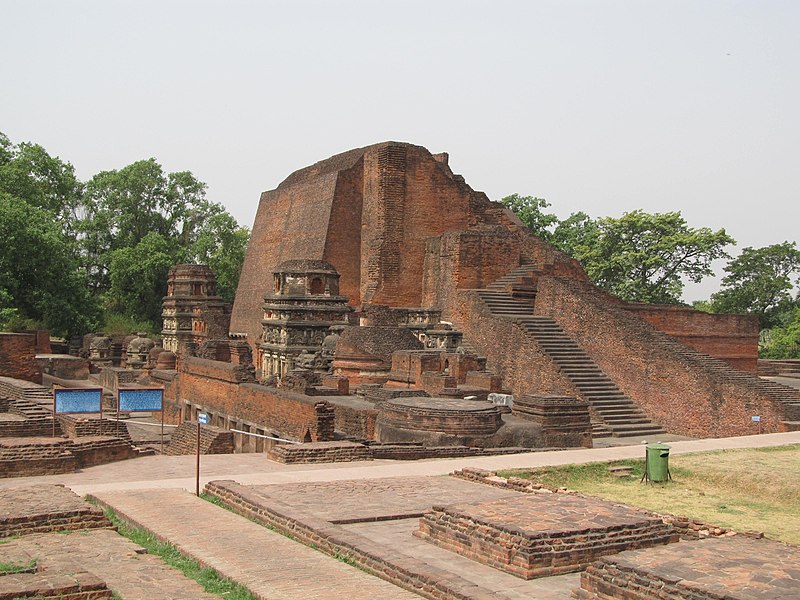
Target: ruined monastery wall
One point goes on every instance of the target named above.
(733, 338)
(213, 386)
(510, 353)
(18, 356)
(645, 364)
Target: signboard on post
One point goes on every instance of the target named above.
(141, 400)
(202, 419)
(76, 401)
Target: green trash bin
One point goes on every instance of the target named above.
(657, 463)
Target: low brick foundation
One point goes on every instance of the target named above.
(407, 573)
(76, 586)
(542, 535)
(319, 452)
(734, 568)
(26, 457)
(213, 440)
(46, 508)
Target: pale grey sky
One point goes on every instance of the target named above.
(600, 106)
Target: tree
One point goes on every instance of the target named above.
(124, 206)
(40, 279)
(644, 257)
(29, 173)
(139, 278)
(530, 211)
(784, 341)
(576, 234)
(221, 244)
(759, 281)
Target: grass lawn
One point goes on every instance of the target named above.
(756, 489)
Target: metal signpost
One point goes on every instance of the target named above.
(142, 400)
(202, 419)
(76, 401)
(757, 419)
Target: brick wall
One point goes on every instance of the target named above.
(466, 259)
(510, 352)
(675, 391)
(215, 386)
(18, 356)
(733, 338)
(213, 440)
(369, 212)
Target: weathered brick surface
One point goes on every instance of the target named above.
(18, 356)
(63, 366)
(526, 368)
(45, 508)
(124, 567)
(76, 586)
(213, 440)
(733, 338)
(674, 389)
(373, 210)
(541, 535)
(28, 456)
(319, 452)
(215, 386)
(734, 568)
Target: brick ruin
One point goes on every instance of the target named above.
(420, 254)
(383, 301)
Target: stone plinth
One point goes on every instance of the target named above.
(319, 452)
(45, 508)
(734, 568)
(454, 418)
(539, 535)
(564, 419)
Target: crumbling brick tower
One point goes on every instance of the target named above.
(404, 231)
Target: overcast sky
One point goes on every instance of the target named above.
(600, 106)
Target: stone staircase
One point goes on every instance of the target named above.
(520, 282)
(613, 413)
(783, 394)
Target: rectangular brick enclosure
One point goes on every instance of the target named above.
(733, 568)
(538, 535)
(45, 508)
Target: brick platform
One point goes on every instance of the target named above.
(77, 586)
(371, 522)
(45, 508)
(733, 568)
(87, 557)
(541, 535)
(319, 452)
(29, 456)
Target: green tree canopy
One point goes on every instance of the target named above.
(139, 278)
(221, 244)
(530, 210)
(29, 173)
(40, 279)
(760, 281)
(643, 257)
(640, 257)
(70, 247)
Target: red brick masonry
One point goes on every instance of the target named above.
(539, 535)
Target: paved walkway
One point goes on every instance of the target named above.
(117, 561)
(270, 565)
(178, 472)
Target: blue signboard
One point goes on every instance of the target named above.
(77, 400)
(203, 419)
(141, 399)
